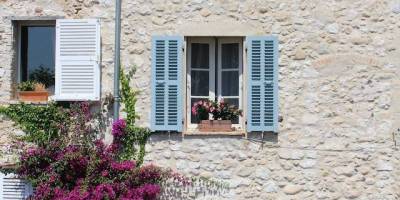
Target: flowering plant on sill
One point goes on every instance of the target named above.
(218, 110)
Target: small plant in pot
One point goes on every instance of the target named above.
(222, 114)
(32, 91)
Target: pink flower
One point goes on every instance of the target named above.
(118, 128)
(194, 110)
(211, 109)
(104, 173)
(123, 166)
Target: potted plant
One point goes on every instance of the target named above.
(32, 91)
(222, 114)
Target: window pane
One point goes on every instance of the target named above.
(230, 83)
(230, 56)
(38, 54)
(200, 56)
(235, 102)
(200, 83)
(194, 119)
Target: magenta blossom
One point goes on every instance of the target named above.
(126, 165)
(118, 128)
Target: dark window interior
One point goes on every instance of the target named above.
(38, 54)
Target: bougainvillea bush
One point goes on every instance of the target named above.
(77, 172)
(77, 166)
(65, 159)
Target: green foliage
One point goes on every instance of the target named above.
(40, 123)
(27, 86)
(133, 144)
(128, 97)
(43, 75)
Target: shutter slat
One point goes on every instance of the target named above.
(77, 59)
(167, 83)
(262, 77)
(14, 188)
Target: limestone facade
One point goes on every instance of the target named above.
(339, 90)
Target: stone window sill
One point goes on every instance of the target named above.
(16, 101)
(199, 133)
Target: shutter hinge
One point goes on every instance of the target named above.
(183, 122)
(245, 122)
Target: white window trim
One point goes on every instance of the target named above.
(211, 41)
(240, 69)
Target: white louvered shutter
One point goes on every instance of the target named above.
(77, 59)
(14, 188)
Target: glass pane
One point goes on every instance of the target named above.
(235, 102)
(195, 119)
(38, 54)
(230, 56)
(200, 56)
(230, 83)
(200, 83)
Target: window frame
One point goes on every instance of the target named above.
(20, 24)
(215, 76)
(211, 69)
(239, 41)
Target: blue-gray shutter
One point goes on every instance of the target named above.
(167, 98)
(262, 82)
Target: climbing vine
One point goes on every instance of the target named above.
(40, 123)
(134, 142)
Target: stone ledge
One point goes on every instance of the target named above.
(12, 102)
(8, 166)
(198, 133)
(26, 18)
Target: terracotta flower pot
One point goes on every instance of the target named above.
(215, 125)
(33, 95)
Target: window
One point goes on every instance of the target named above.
(62, 54)
(214, 72)
(214, 68)
(37, 52)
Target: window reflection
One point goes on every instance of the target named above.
(38, 54)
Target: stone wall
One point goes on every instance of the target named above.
(339, 90)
